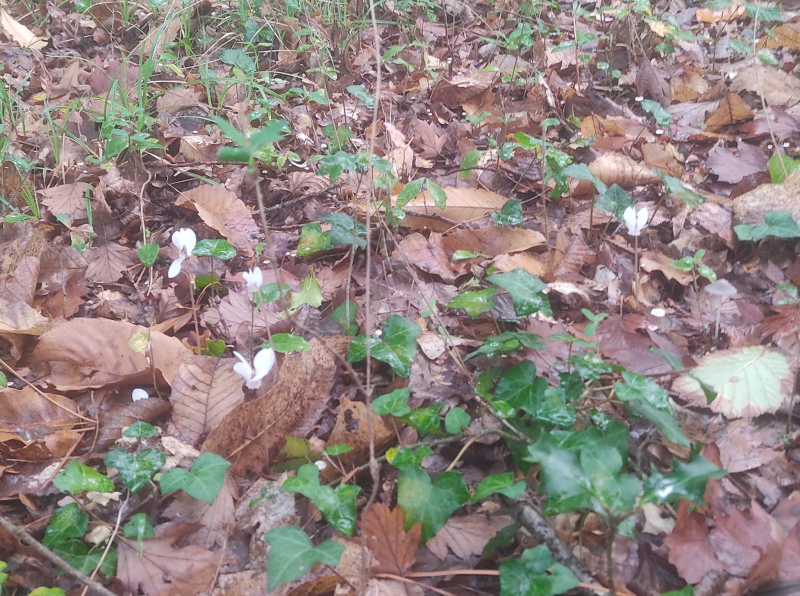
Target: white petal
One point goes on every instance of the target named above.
(641, 218)
(185, 239)
(245, 370)
(175, 268)
(263, 362)
(138, 394)
(629, 216)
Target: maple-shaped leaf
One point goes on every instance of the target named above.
(466, 535)
(108, 262)
(163, 569)
(67, 199)
(391, 545)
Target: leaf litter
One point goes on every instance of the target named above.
(510, 140)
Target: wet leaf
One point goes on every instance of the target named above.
(394, 403)
(525, 290)
(67, 522)
(535, 573)
(77, 478)
(293, 555)
(428, 502)
(203, 482)
(338, 506)
(474, 302)
(135, 470)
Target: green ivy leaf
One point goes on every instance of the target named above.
(47, 592)
(135, 470)
(3, 380)
(561, 477)
(520, 387)
(499, 483)
(342, 227)
(471, 160)
(360, 93)
(397, 347)
(269, 293)
(340, 315)
(455, 420)
(236, 57)
(394, 403)
(334, 165)
(581, 171)
(217, 247)
(776, 173)
(510, 214)
(292, 555)
(647, 399)
(525, 289)
(614, 200)
(337, 506)
(675, 187)
(686, 481)
(338, 449)
(662, 116)
(286, 342)
(535, 573)
(313, 240)
(402, 457)
(310, 293)
(77, 554)
(410, 190)
(779, 224)
(590, 366)
(140, 528)
(437, 194)
(139, 429)
(203, 482)
(474, 302)
(507, 342)
(77, 478)
(148, 253)
(214, 348)
(67, 522)
(431, 503)
(425, 420)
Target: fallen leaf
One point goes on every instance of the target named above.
(65, 303)
(690, 546)
(521, 260)
(388, 587)
(204, 391)
(427, 254)
(466, 535)
(731, 109)
(85, 353)
(692, 114)
(752, 206)
(463, 204)
(689, 85)
(655, 261)
(745, 444)
(616, 168)
(151, 46)
(772, 84)
(351, 427)
(176, 100)
(617, 338)
(292, 405)
(428, 138)
(67, 199)
(163, 569)
(649, 80)
(113, 422)
(108, 263)
(226, 213)
(393, 547)
(17, 318)
(790, 560)
(727, 14)
(20, 33)
(461, 88)
(658, 156)
(732, 168)
(493, 240)
(235, 309)
(20, 284)
(213, 519)
(786, 35)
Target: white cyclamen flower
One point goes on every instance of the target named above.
(138, 394)
(262, 363)
(635, 220)
(254, 279)
(185, 239)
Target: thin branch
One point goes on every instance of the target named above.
(29, 540)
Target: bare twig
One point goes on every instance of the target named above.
(29, 540)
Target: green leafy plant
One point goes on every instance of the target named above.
(510, 214)
(135, 470)
(77, 478)
(203, 482)
(779, 224)
(338, 506)
(397, 345)
(293, 555)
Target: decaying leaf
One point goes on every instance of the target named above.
(427, 254)
(20, 33)
(466, 535)
(394, 549)
(67, 199)
(351, 426)
(463, 204)
(648, 80)
(112, 423)
(86, 353)
(615, 168)
(770, 83)
(226, 213)
(205, 390)
(732, 168)
(213, 520)
(108, 262)
(17, 318)
(493, 240)
(690, 546)
(292, 407)
(731, 109)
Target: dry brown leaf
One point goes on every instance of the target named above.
(68, 80)
(65, 303)
(786, 35)
(393, 547)
(388, 587)
(592, 126)
(292, 405)
(657, 156)
(461, 88)
(690, 547)
(752, 206)
(165, 570)
(633, 130)
(692, 114)
(352, 425)
(205, 390)
(521, 260)
(727, 14)
(427, 254)
(650, 81)
(493, 241)
(19, 318)
(656, 261)
(466, 535)
(731, 109)
(20, 33)
(108, 263)
(749, 444)
(463, 204)
(113, 422)
(226, 213)
(20, 285)
(177, 99)
(772, 84)
(689, 85)
(214, 519)
(152, 45)
(67, 199)
(616, 168)
(86, 353)
(428, 138)
(733, 168)
(234, 310)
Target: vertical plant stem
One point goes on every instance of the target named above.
(194, 311)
